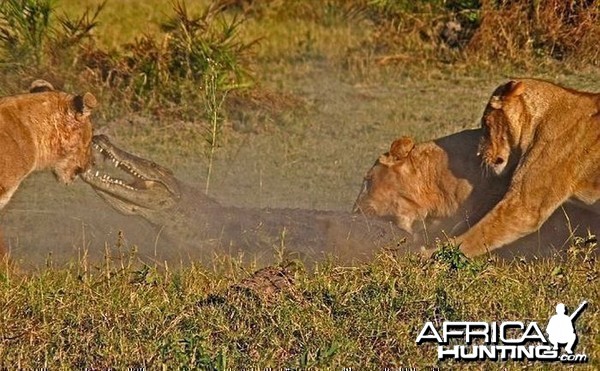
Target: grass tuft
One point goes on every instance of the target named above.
(299, 117)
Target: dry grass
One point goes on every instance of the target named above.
(527, 33)
(334, 85)
(362, 317)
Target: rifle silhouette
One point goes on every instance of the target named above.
(578, 310)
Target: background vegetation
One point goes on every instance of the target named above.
(312, 92)
(162, 65)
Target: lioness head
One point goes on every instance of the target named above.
(501, 123)
(75, 152)
(64, 142)
(392, 187)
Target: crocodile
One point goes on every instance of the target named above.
(199, 223)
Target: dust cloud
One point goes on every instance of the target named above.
(306, 163)
(48, 224)
(64, 225)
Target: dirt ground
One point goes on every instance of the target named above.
(313, 156)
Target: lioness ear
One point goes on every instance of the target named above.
(39, 86)
(83, 104)
(509, 90)
(516, 88)
(386, 159)
(401, 147)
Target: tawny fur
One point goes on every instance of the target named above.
(437, 181)
(550, 137)
(43, 130)
(439, 188)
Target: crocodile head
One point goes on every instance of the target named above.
(141, 187)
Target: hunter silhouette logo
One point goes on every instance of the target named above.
(511, 340)
(560, 328)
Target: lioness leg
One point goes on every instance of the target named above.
(524, 208)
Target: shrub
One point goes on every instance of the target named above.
(30, 39)
(524, 31)
(500, 31)
(158, 72)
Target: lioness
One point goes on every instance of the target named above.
(439, 182)
(43, 130)
(438, 189)
(550, 137)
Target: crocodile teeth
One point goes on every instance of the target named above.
(123, 165)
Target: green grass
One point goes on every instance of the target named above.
(322, 110)
(363, 317)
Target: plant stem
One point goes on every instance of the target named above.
(214, 98)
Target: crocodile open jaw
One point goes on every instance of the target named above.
(150, 185)
(138, 181)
